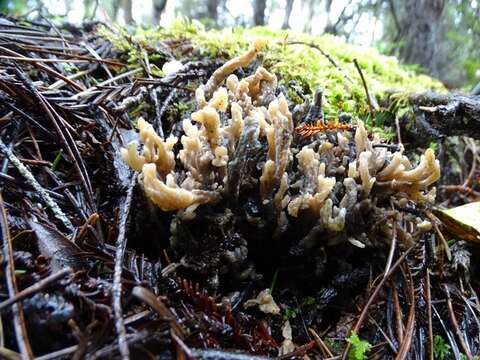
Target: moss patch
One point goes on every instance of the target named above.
(303, 64)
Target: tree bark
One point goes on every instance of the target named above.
(288, 12)
(423, 26)
(158, 8)
(259, 7)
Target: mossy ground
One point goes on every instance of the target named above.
(305, 65)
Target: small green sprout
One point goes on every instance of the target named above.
(56, 161)
(359, 347)
(440, 348)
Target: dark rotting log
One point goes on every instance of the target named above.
(438, 115)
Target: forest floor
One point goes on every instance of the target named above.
(92, 268)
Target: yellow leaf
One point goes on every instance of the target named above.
(462, 221)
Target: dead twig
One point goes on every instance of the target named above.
(410, 327)
(392, 247)
(433, 219)
(117, 274)
(321, 345)
(21, 333)
(324, 53)
(428, 298)
(398, 314)
(454, 322)
(154, 97)
(372, 103)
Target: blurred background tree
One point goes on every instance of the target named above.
(440, 37)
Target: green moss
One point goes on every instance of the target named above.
(359, 348)
(336, 346)
(440, 348)
(303, 64)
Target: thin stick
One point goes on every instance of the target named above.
(323, 347)
(454, 322)
(60, 83)
(410, 327)
(30, 179)
(398, 314)
(59, 354)
(324, 53)
(153, 95)
(372, 105)
(392, 248)
(21, 334)
(117, 274)
(47, 61)
(444, 242)
(428, 296)
(399, 134)
(33, 289)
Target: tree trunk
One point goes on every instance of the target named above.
(422, 37)
(87, 9)
(127, 11)
(212, 10)
(259, 7)
(158, 8)
(311, 13)
(288, 12)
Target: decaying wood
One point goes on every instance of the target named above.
(439, 115)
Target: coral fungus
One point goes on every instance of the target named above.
(240, 143)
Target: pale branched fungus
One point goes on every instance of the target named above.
(155, 150)
(230, 66)
(315, 186)
(168, 196)
(241, 139)
(279, 137)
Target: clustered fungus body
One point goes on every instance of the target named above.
(240, 156)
